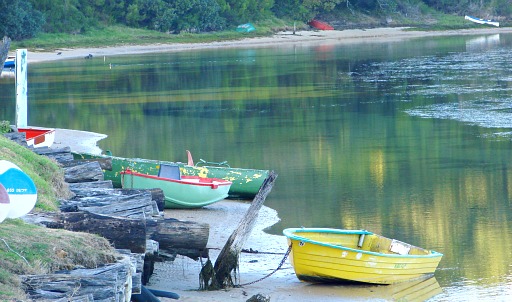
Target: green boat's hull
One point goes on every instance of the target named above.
(179, 194)
(245, 182)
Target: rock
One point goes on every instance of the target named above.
(259, 298)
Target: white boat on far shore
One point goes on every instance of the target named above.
(482, 21)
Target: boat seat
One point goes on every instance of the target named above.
(169, 171)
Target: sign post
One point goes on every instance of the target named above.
(21, 88)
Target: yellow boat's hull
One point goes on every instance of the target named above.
(329, 255)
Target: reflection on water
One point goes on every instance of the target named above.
(411, 140)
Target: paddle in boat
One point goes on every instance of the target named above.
(482, 21)
(333, 255)
(181, 192)
(38, 137)
(320, 25)
(245, 182)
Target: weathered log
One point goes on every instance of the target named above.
(90, 171)
(101, 184)
(105, 163)
(159, 198)
(106, 283)
(179, 237)
(227, 261)
(151, 256)
(59, 154)
(17, 137)
(173, 236)
(122, 233)
(137, 261)
(114, 202)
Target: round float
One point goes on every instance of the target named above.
(19, 187)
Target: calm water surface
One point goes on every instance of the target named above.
(409, 139)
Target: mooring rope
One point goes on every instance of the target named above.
(271, 273)
(5, 242)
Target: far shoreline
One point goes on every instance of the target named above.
(373, 35)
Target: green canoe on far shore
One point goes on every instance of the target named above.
(245, 182)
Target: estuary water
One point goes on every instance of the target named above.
(409, 139)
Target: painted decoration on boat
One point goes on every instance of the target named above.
(5, 203)
(20, 188)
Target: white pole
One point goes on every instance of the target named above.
(21, 88)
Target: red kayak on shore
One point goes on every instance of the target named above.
(320, 25)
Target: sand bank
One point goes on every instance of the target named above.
(280, 38)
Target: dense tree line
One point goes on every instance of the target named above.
(25, 18)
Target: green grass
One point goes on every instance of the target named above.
(121, 35)
(30, 249)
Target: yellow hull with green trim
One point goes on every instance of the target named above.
(332, 255)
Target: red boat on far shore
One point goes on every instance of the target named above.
(320, 25)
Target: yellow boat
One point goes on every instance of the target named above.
(332, 255)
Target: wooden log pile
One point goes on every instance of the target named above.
(112, 282)
(130, 219)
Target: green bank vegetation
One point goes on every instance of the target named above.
(47, 24)
(29, 249)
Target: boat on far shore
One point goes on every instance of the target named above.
(9, 62)
(320, 25)
(482, 21)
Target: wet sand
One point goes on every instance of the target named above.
(182, 275)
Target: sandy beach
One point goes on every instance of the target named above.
(182, 275)
(373, 35)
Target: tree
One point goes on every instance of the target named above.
(19, 19)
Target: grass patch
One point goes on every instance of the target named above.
(29, 249)
(46, 174)
(122, 35)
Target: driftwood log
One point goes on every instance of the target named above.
(101, 184)
(90, 171)
(219, 276)
(60, 154)
(113, 202)
(107, 283)
(173, 236)
(179, 237)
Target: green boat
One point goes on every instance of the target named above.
(181, 192)
(245, 182)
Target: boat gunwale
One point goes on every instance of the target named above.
(214, 183)
(290, 233)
